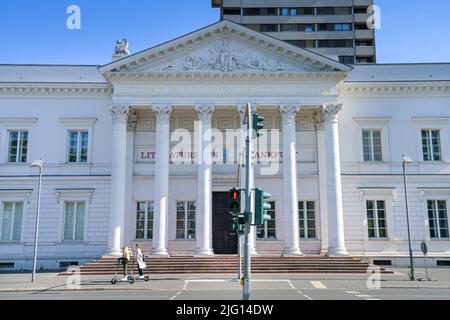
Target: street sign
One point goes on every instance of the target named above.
(424, 248)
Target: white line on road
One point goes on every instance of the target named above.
(318, 285)
(292, 286)
(306, 296)
(186, 282)
(207, 280)
(177, 294)
(373, 299)
(352, 292)
(363, 296)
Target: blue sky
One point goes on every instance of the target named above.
(34, 31)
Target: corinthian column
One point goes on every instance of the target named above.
(204, 187)
(336, 241)
(159, 243)
(119, 115)
(292, 248)
(242, 110)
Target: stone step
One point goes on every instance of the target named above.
(228, 265)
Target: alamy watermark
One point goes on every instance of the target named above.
(73, 282)
(374, 20)
(374, 280)
(73, 22)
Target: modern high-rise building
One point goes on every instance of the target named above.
(335, 28)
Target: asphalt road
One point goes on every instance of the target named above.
(322, 287)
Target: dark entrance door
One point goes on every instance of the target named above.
(224, 239)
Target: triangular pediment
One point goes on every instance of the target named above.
(224, 47)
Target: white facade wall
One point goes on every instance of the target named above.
(399, 100)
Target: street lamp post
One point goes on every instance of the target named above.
(406, 160)
(39, 164)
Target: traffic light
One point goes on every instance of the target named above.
(235, 201)
(261, 206)
(257, 125)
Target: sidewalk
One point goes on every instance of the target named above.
(21, 282)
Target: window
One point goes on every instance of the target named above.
(263, 27)
(303, 43)
(347, 59)
(335, 27)
(232, 11)
(330, 11)
(365, 59)
(11, 221)
(74, 221)
(297, 27)
(268, 231)
(307, 219)
(288, 11)
(362, 10)
(18, 146)
(186, 220)
(372, 147)
(437, 218)
(78, 146)
(361, 26)
(338, 43)
(342, 10)
(260, 11)
(144, 220)
(376, 219)
(431, 145)
(364, 43)
(296, 11)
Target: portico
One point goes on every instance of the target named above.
(201, 82)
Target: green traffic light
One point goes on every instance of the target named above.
(261, 206)
(257, 124)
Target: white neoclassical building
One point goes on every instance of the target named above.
(145, 149)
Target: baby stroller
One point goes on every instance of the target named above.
(116, 278)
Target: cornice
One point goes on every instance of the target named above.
(54, 89)
(331, 77)
(393, 88)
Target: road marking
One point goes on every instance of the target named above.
(306, 296)
(186, 282)
(363, 296)
(352, 292)
(318, 285)
(271, 280)
(207, 280)
(373, 299)
(292, 286)
(176, 295)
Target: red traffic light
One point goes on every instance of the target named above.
(235, 195)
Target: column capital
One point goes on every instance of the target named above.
(288, 112)
(205, 111)
(119, 113)
(132, 121)
(162, 111)
(319, 120)
(242, 109)
(330, 111)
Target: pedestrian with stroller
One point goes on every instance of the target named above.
(140, 261)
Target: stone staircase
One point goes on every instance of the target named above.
(227, 264)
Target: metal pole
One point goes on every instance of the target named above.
(411, 261)
(239, 256)
(36, 232)
(426, 267)
(248, 213)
